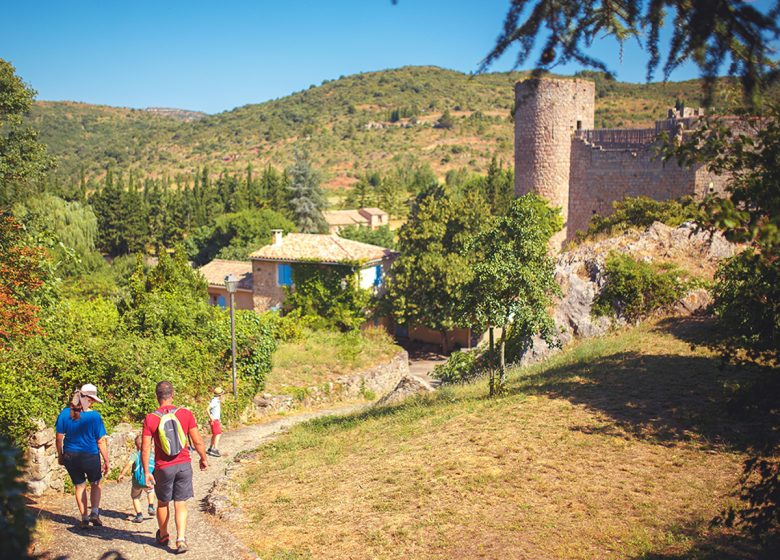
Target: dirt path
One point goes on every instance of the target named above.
(120, 538)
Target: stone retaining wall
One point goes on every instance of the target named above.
(379, 380)
(42, 471)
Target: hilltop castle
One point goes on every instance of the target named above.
(560, 156)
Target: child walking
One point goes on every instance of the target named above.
(139, 481)
(215, 413)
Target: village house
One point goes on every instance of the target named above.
(215, 272)
(272, 264)
(364, 217)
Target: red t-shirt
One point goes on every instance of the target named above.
(152, 422)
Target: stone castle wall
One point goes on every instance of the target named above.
(560, 156)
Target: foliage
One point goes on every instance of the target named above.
(747, 296)
(23, 271)
(708, 33)
(748, 151)
(641, 212)
(382, 236)
(16, 520)
(514, 279)
(461, 367)
(427, 282)
(72, 225)
(445, 120)
(23, 159)
(634, 289)
(329, 293)
(235, 235)
(306, 198)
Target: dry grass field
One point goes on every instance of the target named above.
(620, 447)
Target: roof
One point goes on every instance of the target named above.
(344, 217)
(374, 211)
(216, 270)
(323, 248)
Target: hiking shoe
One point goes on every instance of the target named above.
(95, 520)
(151, 510)
(213, 453)
(139, 518)
(181, 546)
(161, 541)
(83, 524)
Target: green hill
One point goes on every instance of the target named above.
(372, 120)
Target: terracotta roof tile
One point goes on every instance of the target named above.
(344, 218)
(216, 270)
(325, 248)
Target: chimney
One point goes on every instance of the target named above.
(277, 233)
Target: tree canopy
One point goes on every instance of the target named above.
(713, 34)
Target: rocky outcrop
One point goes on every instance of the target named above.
(580, 273)
(407, 387)
(377, 380)
(43, 473)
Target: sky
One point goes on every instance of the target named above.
(215, 56)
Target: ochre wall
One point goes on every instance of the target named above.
(243, 298)
(266, 293)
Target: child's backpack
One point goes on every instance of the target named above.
(139, 479)
(171, 434)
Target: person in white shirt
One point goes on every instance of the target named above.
(215, 413)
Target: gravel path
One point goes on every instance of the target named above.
(120, 538)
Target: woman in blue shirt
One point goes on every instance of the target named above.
(81, 440)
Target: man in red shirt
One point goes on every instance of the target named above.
(172, 478)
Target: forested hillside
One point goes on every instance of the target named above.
(375, 120)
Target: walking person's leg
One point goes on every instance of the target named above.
(81, 499)
(182, 491)
(162, 522)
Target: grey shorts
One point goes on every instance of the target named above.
(173, 483)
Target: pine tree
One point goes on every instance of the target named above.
(307, 199)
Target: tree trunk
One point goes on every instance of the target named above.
(502, 364)
(444, 344)
(492, 361)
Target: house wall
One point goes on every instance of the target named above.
(266, 293)
(243, 298)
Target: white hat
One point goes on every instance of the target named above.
(90, 391)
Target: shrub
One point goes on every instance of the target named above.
(16, 520)
(460, 368)
(746, 295)
(642, 212)
(634, 289)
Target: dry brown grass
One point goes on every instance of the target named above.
(618, 448)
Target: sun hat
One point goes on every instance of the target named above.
(218, 390)
(89, 390)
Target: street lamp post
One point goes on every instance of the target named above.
(231, 285)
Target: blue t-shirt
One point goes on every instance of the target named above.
(82, 435)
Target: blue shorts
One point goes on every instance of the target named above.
(82, 467)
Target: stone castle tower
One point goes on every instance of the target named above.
(548, 113)
(582, 170)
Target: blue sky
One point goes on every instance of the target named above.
(214, 56)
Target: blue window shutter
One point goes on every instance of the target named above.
(284, 274)
(378, 276)
(221, 301)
